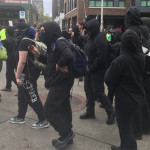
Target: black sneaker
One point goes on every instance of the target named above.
(54, 141)
(111, 118)
(63, 141)
(17, 120)
(87, 116)
(41, 124)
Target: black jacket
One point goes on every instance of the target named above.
(61, 55)
(125, 75)
(114, 46)
(77, 38)
(96, 48)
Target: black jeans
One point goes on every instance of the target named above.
(28, 95)
(125, 117)
(94, 89)
(10, 75)
(58, 110)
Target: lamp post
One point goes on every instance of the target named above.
(101, 27)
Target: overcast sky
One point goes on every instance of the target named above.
(48, 7)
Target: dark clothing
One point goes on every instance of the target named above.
(29, 68)
(96, 49)
(124, 118)
(58, 111)
(63, 56)
(77, 38)
(57, 107)
(94, 89)
(125, 78)
(28, 95)
(11, 45)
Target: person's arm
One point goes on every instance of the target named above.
(102, 51)
(21, 65)
(112, 75)
(66, 56)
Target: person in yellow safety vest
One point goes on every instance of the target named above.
(108, 36)
(2, 34)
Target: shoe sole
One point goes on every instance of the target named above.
(88, 118)
(67, 142)
(41, 127)
(17, 122)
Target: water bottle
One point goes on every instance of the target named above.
(22, 77)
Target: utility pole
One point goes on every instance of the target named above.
(101, 27)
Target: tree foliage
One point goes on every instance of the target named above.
(43, 17)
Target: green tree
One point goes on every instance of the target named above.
(42, 17)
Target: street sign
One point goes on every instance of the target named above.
(22, 14)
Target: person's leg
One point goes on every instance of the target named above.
(110, 95)
(30, 90)
(55, 110)
(98, 88)
(90, 111)
(124, 121)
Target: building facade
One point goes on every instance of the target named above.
(10, 9)
(57, 8)
(38, 4)
(76, 11)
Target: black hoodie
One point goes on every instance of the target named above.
(125, 75)
(114, 50)
(77, 38)
(96, 48)
(134, 22)
(61, 55)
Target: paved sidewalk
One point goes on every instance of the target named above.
(90, 134)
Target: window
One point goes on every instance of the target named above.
(97, 3)
(145, 3)
(65, 8)
(74, 4)
(121, 3)
(69, 5)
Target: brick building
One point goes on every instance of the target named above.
(114, 11)
(57, 8)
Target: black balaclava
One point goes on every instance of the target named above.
(52, 32)
(93, 27)
(116, 36)
(76, 30)
(133, 17)
(66, 35)
(130, 42)
(10, 31)
(23, 30)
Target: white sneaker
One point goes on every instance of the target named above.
(17, 120)
(40, 125)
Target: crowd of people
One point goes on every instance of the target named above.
(122, 62)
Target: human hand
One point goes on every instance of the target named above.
(62, 69)
(34, 50)
(19, 82)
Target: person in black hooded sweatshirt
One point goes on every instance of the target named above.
(96, 49)
(125, 79)
(134, 22)
(114, 52)
(77, 38)
(59, 82)
(10, 44)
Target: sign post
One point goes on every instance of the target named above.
(22, 14)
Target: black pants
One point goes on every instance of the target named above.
(94, 89)
(125, 117)
(58, 110)
(10, 75)
(110, 95)
(28, 95)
